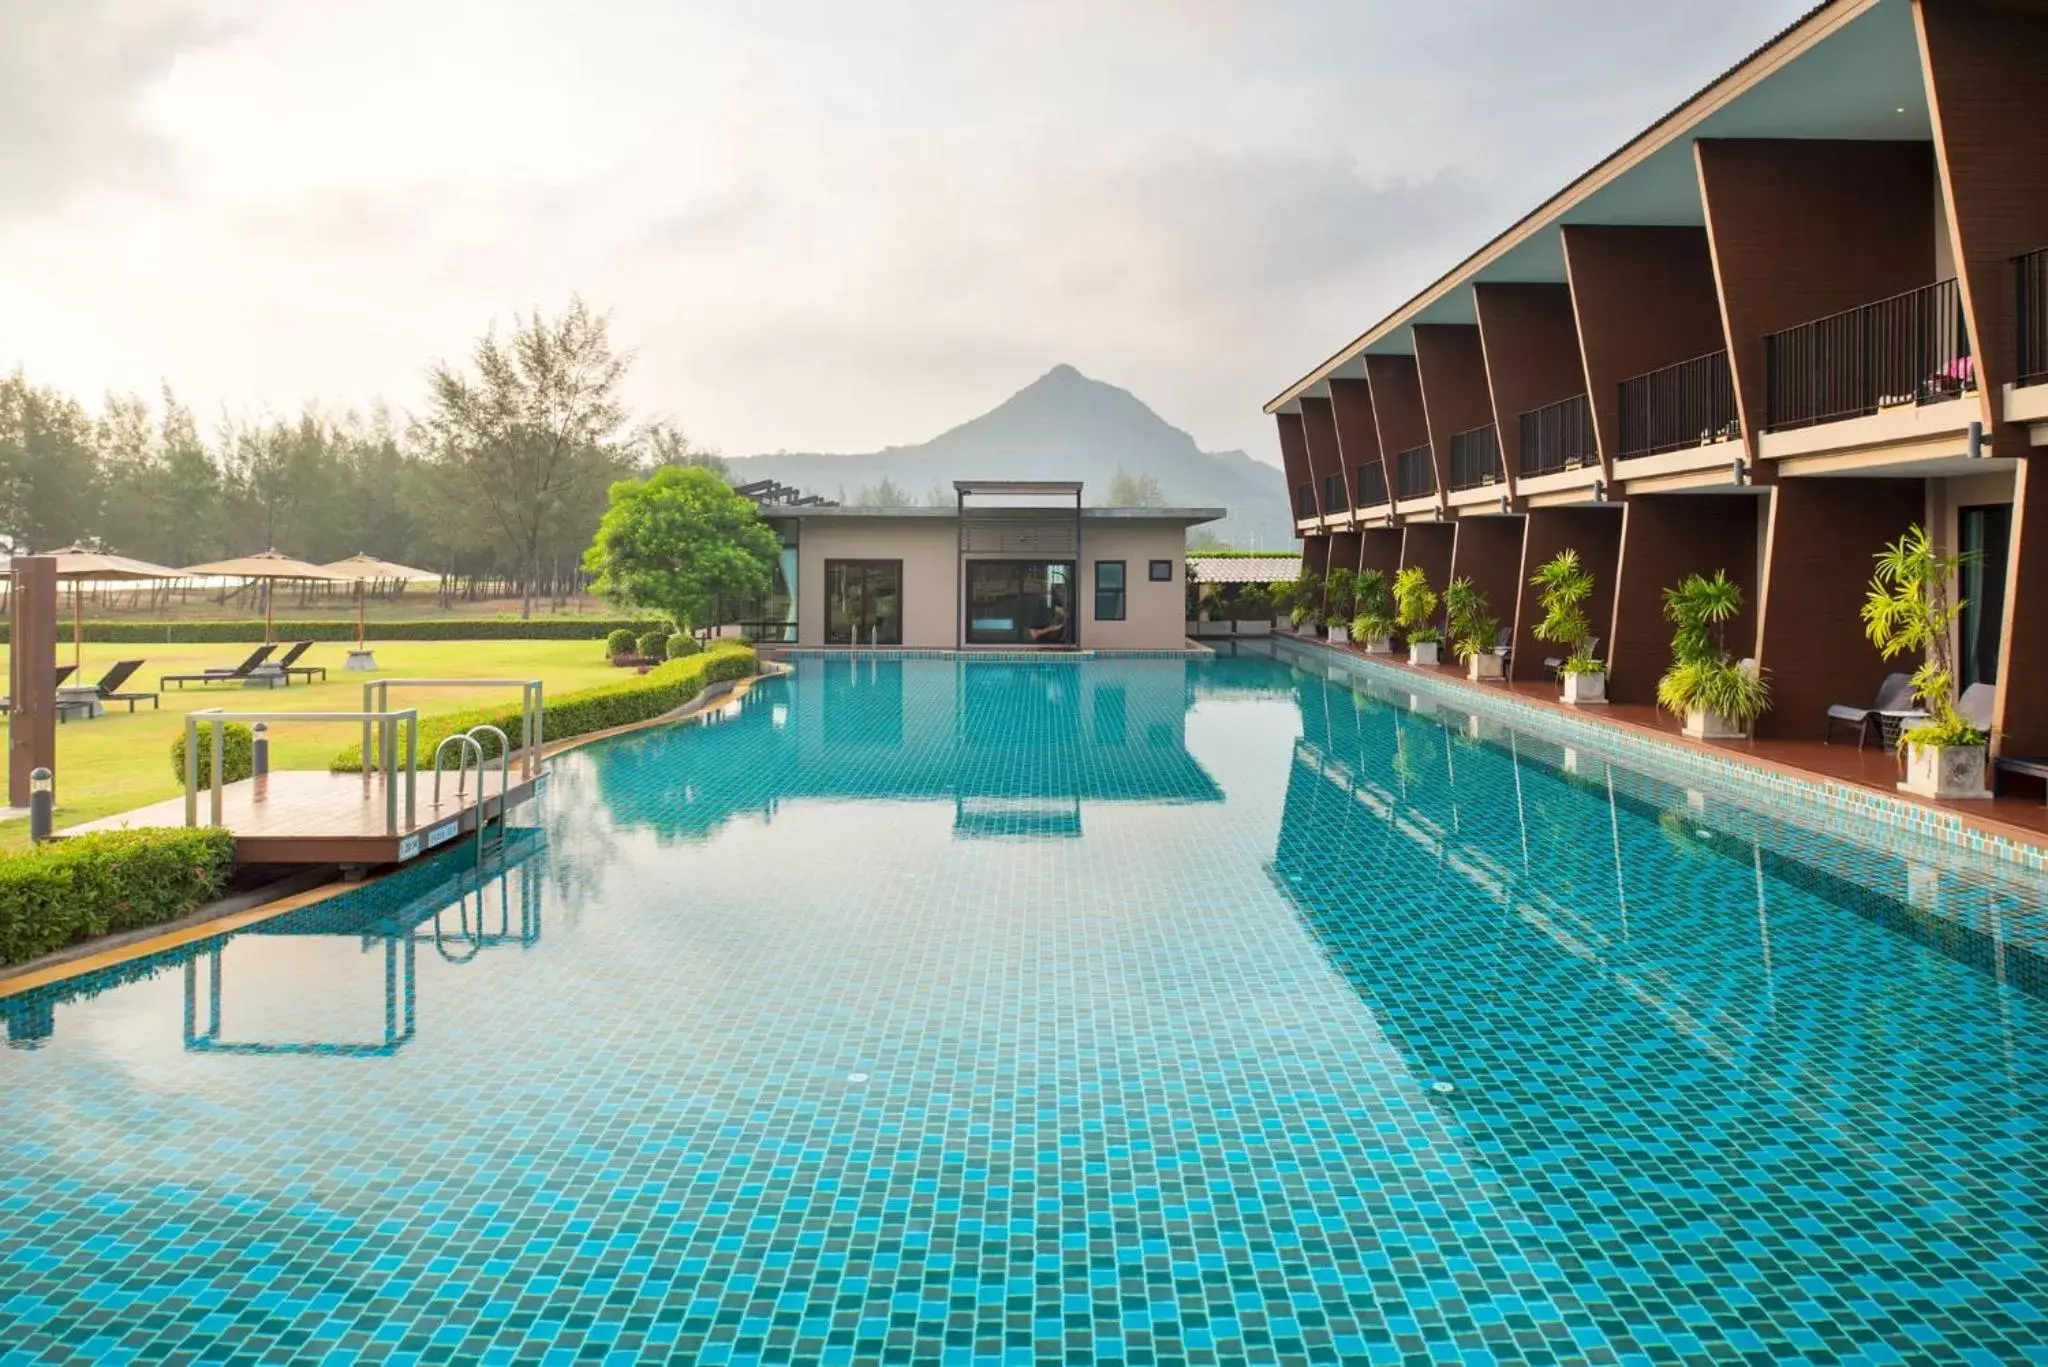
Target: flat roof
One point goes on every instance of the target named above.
(1188, 516)
(1016, 486)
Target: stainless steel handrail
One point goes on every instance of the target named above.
(385, 723)
(532, 708)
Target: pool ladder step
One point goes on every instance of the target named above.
(468, 745)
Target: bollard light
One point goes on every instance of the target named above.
(259, 751)
(42, 803)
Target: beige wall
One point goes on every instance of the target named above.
(929, 548)
(1155, 616)
(930, 551)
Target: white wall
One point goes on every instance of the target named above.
(1155, 615)
(929, 549)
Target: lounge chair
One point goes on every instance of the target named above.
(289, 663)
(1894, 695)
(209, 676)
(110, 683)
(1556, 662)
(63, 672)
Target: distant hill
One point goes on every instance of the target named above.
(1062, 426)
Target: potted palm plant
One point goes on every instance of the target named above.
(1909, 609)
(1373, 621)
(1254, 611)
(1564, 584)
(1307, 599)
(1337, 594)
(1717, 697)
(1472, 629)
(1415, 611)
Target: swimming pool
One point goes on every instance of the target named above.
(1130, 1010)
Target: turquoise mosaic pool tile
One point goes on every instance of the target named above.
(1136, 1011)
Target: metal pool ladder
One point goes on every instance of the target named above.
(469, 743)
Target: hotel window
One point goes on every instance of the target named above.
(1019, 602)
(1109, 590)
(864, 602)
(1160, 572)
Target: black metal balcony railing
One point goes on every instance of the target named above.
(1372, 485)
(1475, 458)
(1557, 436)
(1911, 348)
(1336, 499)
(1305, 500)
(1413, 477)
(2032, 317)
(1688, 404)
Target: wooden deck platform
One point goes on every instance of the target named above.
(300, 816)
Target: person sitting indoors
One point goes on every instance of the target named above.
(1053, 632)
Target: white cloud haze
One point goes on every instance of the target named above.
(820, 226)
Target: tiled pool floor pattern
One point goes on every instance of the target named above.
(929, 1011)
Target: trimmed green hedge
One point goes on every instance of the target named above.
(237, 754)
(637, 697)
(344, 630)
(86, 886)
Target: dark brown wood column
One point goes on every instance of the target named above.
(1450, 366)
(1380, 549)
(1802, 229)
(1358, 439)
(1319, 428)
(1824, 535)
(1294, 460)
(32, 674)
(1396, 407)
(1595, 533)
(1429, 544)
(1531, 342)
(1665, 538)
(1488, 551)
(1644, 298)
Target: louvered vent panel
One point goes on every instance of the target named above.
(1051, 537)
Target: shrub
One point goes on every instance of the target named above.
(339, 630)
(1472, 627)
(1565, 585)
(1415, 603)
(237, 751)
(90, 885)
(1375, 607)
(653, 645)
(1703, 673)
(1908, 610)
(682, 644)
(639, 697)
(619, 642)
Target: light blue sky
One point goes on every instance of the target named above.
(821, 226)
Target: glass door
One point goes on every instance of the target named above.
(1986, 532)
(1020, 602)
(864, 602)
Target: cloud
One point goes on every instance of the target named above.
(72, 73)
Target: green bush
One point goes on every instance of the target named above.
(654, 644)
(339, 630)
(237, 754)
(90, 885)
(620, 642)
(638, 697)
(682, 644)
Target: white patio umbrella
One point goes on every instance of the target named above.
(363, 568)
(274, 567)
(78, 566)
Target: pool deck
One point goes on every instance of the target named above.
(297, 816)
(2018, 815)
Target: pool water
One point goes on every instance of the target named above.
(1139, 1011)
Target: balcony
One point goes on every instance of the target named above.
(1557, 437)
(1372, 485)
(1475, 458)
(1413, 477)
(1688, 404)
(2032, 316)
(1912, 348)
(1336, 499)
(1304, 501)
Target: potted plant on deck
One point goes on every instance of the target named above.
(1306, 595)
(1373, 622)
(1472, 631)
(1564, 584)
(1415, 610)
(1908, 609)
(1338, 588)
(1253, 611)
(1715, 695)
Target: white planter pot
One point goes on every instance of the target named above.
(1422, 653)
(1255, 628)
(1379, 645)
(1702, 723)
(1211, 629)
(1485, 665)
(1581, 689)
(1948, 771)
(1340, 635)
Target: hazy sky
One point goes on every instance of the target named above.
(820, 226)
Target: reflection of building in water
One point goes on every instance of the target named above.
(447, 903)
(1018, 748)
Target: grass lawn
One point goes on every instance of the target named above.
(118, 761)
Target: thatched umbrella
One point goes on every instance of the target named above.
(363, 568)
(273, 567)
(80, 566)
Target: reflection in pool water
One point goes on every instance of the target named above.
(1127, 1010)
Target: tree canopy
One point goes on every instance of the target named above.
(683, 543)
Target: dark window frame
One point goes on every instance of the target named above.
(1122, 591)
(1160, 572)
(864, 563)
(1069, 586)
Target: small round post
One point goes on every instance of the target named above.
(42, 804)
(259, 751)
